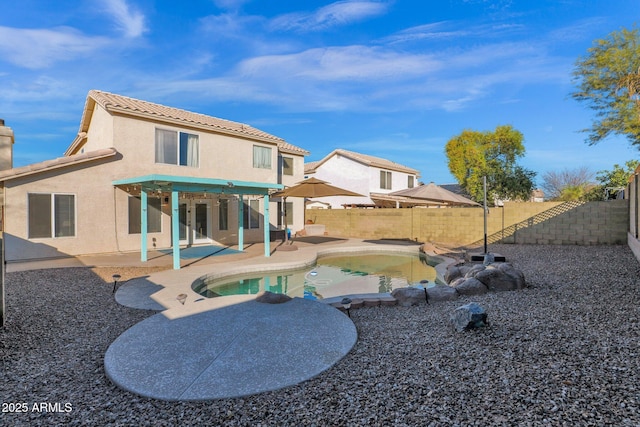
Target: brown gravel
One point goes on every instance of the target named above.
(564, 351)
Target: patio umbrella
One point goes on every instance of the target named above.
(312, 188)
(435, 193)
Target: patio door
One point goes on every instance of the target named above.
(195, 222)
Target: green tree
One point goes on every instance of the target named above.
(611, 181)
(474, 154)
(608, 80)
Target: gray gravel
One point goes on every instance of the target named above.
(564, 351)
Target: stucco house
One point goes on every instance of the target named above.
(371, 176)
(141, 176)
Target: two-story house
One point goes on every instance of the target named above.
(141, 176)
(371, 176)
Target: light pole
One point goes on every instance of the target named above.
(484, 183)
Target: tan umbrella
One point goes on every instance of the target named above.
(436, 194)
(312, 188)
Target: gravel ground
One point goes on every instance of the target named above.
(564, 351)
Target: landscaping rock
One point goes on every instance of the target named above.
(409, 296)
(268, 297)
(442, 293)
(470, 286)
(512, 272)
(468, 316)
(497, 280)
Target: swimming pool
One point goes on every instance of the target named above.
(332, 276)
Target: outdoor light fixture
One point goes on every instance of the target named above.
(230, 184)
(182, 298)
(115, 277)
(346, 304)
(424, 284)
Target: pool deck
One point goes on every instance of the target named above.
(211, 348)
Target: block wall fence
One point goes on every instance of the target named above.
(633, 194)
(563, 223)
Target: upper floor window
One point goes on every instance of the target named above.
(287, 165)
(410, 182)
(51, 215)
(385, 180)
(261, 157)
(177, 148)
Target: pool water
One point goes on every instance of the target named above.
(332, 276)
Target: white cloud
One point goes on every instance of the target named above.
(332, 15)
(350, 63)
(129, 20)
(40, 48)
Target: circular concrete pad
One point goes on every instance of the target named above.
(136, 293)
(231, 351)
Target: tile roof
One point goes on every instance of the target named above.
(367, 160)
(57, 163)
(134, 107)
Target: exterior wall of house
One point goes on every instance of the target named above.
(399, 180)
(100, 133)
(102, 219)
(349, 174)
(346, 173)
(96, 225)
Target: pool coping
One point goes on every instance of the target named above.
(177, 282)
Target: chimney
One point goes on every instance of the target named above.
(6, 146)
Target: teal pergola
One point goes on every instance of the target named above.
(184, 184)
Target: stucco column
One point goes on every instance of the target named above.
(6, 147)
(175, 230)
(143, 225)
(240, 223)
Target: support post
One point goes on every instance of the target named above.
(240, 223)
(267, 237)
(144, 227)
(484, 183)
(175, 229)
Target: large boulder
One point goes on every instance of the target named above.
(470, 286)
(496, 279)
(442, 293)
(409, 296)
(468, 316)
(512, 272)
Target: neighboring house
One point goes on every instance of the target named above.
(199, 179)
(373, 177)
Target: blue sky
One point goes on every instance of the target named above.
(395, 79)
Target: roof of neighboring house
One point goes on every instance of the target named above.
(118, 104)
(362, 158)
(57, 163)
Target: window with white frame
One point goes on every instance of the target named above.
(261, 157)
(51, 215)
(154, 215)
(410, 181)
(251, 214)
(385, 180)
(177, 148)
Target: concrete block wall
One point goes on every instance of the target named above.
(537, 223)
